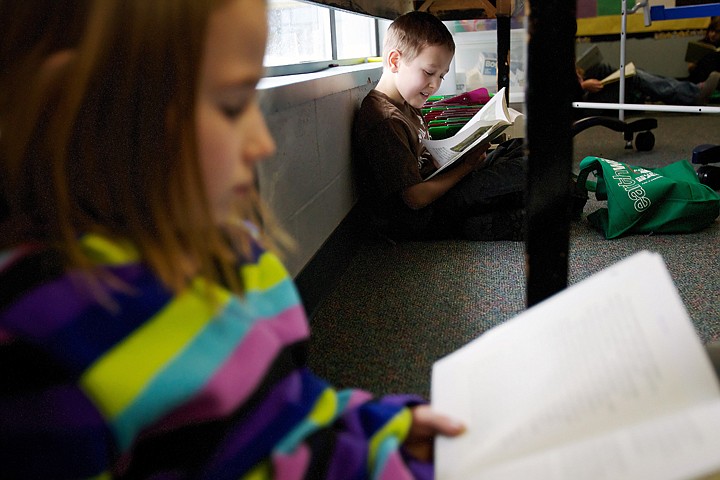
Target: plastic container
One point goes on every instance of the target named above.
(476, 60)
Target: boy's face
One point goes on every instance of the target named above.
(420, 77)
(713, 35)
(232, 134)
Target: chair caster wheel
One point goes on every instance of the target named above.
(709, 175)
(644, 141)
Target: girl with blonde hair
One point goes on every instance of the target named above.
(145, 329)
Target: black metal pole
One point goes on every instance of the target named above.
(503, 54)
(550, 87)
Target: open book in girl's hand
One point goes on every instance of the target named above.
(484, 127)
(605, 380)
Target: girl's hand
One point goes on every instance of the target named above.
(426, 425)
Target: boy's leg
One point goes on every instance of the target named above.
(495, 226)
(488, 204)
(708, 87)
(401, 223)
(499, 185)
(665, 89)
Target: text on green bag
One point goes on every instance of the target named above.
(632, 186)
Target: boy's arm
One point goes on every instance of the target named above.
(424, 193)
(592, 85)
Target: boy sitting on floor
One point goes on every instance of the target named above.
(645, 87)
(480, 198)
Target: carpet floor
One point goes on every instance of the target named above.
(398, 308)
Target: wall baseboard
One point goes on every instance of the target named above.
(323, 272)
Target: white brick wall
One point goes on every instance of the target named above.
(308, 182)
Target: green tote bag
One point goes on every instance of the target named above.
(669, 199)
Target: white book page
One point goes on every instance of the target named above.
(614, 349)
(447, 150)
(684, 445)
(496, 109)
(478, 129)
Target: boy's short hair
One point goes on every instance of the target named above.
(714, 24)
(411, 32)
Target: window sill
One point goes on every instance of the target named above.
(280, 93)
(283, 92)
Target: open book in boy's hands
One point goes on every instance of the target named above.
(604, 380)
(484, 127)
(697, 50)
(630, 71)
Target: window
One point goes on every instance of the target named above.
(303, 37)
(383, 25)
(297, 32)
(355, 35)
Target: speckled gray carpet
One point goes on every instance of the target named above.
(398, 308)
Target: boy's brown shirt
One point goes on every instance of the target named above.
(387, 142)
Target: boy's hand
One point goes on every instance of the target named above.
(592, 85)
(426, 425)
(476, 157)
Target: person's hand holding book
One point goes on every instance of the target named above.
(592, 85)
(426, 425)
(476, 157)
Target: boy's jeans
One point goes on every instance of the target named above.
(665, 89)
